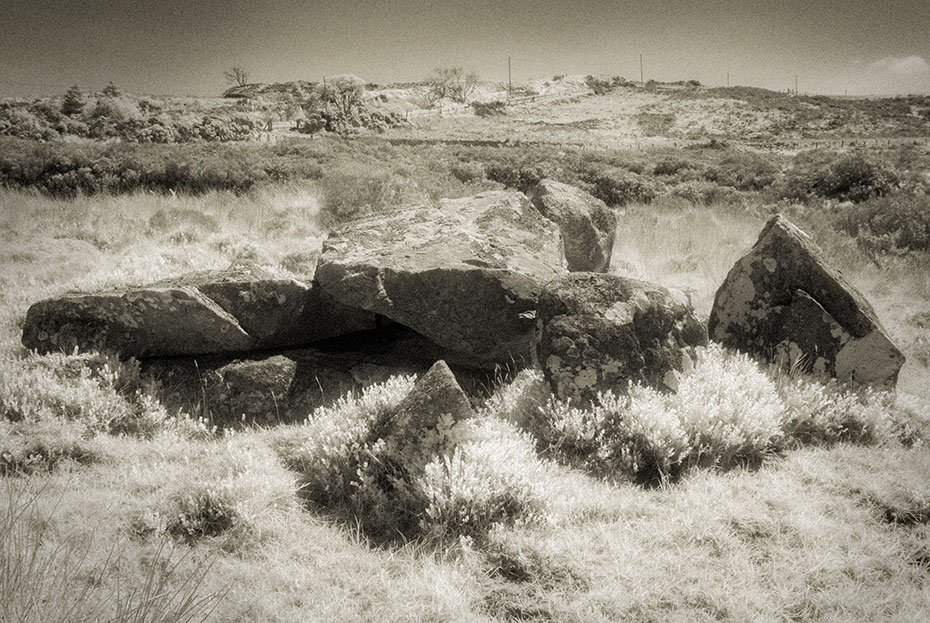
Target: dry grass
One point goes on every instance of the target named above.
(832, 533)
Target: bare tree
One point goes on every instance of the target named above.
(452, 82)
(237, 75)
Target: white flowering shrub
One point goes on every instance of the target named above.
(729, 408)
(492, 477)
(335, 443)
(727, 411)
(98, 392)
(476, 473)
(829, 412)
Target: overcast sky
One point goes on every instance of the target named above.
(182, 47)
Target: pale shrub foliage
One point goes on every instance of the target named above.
(727, 412)
(492, 477)
(483, 473)
(729, 408)
(329, 448)
(99, 392)
(818, 412)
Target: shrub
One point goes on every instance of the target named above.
(617, 187)
(725, 412)
(99, 394)
(520, 176)
(355, 191)
(902, 220)
(484, 474)
(743, 171)
(492, 477)
(489, 109)
(853, 177)
(671, 165)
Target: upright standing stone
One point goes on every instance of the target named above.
(783, 300)
(587, 225)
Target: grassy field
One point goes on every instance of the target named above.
(752, 494)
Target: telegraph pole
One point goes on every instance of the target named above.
(641, 80)
(509, 80)
(728, 79)
(795, 84)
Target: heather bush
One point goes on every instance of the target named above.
(98, 394)
(491, 478)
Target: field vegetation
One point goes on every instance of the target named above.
(750, 494)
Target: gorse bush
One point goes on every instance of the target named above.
(743, 171)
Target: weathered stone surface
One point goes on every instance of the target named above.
(276, 312)
(234, 310)
(587, 225)
(156, 321)
(422, 426)
(465, 273)
(784, 299)
(250, 391)
(598, 332)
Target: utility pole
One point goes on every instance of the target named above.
(795, 84)
(641, 80)
(509, 80)
(728, 79)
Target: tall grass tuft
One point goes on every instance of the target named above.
(43, 579)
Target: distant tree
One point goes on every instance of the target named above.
(73, 102)
(237, 75)
(111, 90)
(344, 94)
(452, 82)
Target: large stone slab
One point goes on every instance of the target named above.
(587, 225)
(163, 321)
(783, 300)
(234, 310)
(597, 332)
(465, 273)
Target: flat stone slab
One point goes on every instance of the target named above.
(234, 310)
(465, 273)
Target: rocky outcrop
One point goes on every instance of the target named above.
(234, 310)
(598, 332)
(784, 301)
(465, 273)
(587, 225)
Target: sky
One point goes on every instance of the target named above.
(182, 47)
